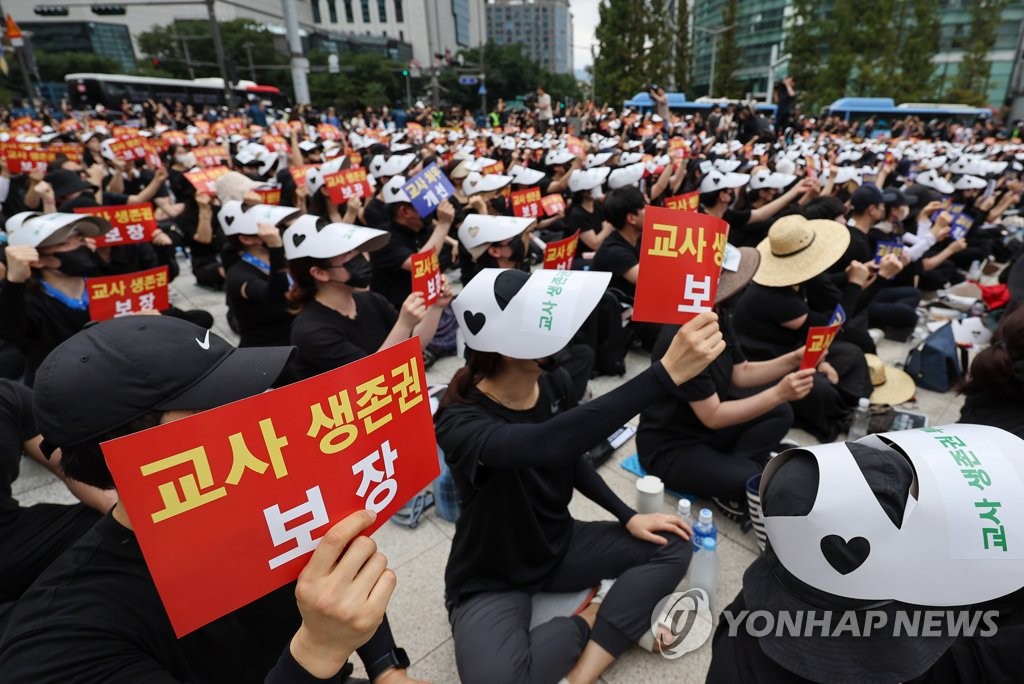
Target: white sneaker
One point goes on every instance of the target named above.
(602, 591)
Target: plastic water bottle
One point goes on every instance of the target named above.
(704, 568)
(861, 418)
(684, 511)
(703, 529)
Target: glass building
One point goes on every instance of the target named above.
(542, 27)
(106, 40)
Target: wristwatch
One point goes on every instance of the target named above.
(396, 657)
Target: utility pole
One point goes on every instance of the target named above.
(299, 63)
(435, 95)
(218, 46)
(483, 61)
(714, 33)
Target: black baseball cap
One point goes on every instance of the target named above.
(113, 372)
(66, 182)
(868, 194)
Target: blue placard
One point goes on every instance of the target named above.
(427, 189)
(894, 247)
(961, 224)
(838, 316)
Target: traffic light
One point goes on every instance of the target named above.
(51, 10)
(155, 62)
(405, 73)
(108, 10)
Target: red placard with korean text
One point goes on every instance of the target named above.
(24, 158)
(229, 504)
(346, 184)
(574, 146)
(299, 173)
(494, 169)
(130, 147)
(819, 339)
(72, 151)
(26, 124)
(678, 149)
(269, 195)
(328, 131)
(426, 275)
(558, 255)
(680, 260)
(527, 203)
(688, 202)
(274, 143)
(205, 180)
(553, 205)
(127, 294)
(132, 223)
(210, 156)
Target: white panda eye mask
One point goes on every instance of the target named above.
(962, 536)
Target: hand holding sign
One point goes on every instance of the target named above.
(695, 345)
(819, 339)
(559, 254)
(426, 276)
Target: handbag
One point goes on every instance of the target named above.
(934, 363)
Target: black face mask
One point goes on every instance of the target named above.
(518, 250)
(80, 262)
(359, 271)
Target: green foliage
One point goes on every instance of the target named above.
(684, 51)
(728, 57)
(971, 85)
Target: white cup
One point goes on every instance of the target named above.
(650, 494)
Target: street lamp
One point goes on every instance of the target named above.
(714, 46)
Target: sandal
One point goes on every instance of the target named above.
(409, 515)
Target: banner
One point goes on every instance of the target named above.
(819, 339)
(210, 156)
(558, 255)
(346, 184)
(426, 275)
(127, 294)
(962, 223)
(427, 189)
(130, 147)
(884, 247)
(22, 159)
(527, 203)
(228, 504)
(681, 256)
(132, 223)
(687, 202)
(553, 205)
(205, 180)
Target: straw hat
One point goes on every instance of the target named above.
(796, 250)
(891, 385)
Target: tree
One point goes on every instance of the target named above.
(917, 81)
(971, 85)
(684, 50)
(657, 52)
(620, 63)
(727, 55)
(804, 45)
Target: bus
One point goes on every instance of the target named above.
(678, 103)
(886, 112)
(87, 90)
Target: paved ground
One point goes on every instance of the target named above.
(418, 556)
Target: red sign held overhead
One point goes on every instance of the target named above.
(688, 202)
(127, 294)
(527, 203)
(346, 184)
(205, 180)
(132, 223)
(426, 275)
(681, 256)
(559, 255)
(229, 504)
(553, 205)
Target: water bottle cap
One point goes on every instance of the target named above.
(708, 543)
(650, 484)
(706, 515)
(683, 507)
(864, 402)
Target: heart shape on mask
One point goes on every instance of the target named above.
(473, 230)
(229, 219)
(395, 190)
(474, 321)
(845, 556)
(298, 239)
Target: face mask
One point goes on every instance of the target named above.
(80, 262)
(359, 271)
(188, 159)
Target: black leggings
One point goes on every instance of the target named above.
(493, 639)
(723, 461)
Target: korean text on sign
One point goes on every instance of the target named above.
(127, 294)
(553, 205)
(131, 223)
(688, 202)
(527, 203)
(559, 254)
(885, 247)
(205, 180)
(346, 184)
(228, 504)
(681, 257)
(426, 275)
(427, 189)
(819, 339)
(299, 172)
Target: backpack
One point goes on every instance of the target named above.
(934, 364)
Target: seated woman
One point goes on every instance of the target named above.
(708, 440)
(995, 383)
(513, 437)
(773, 314)
(339, 320)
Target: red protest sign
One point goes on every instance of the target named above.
(346, 184)
(299, 173)
(210, 156)
(678, 148)
(25, 159)
(527, 203)
(132, 223)
(494, 169)
(426, 275)
(127, 294)
(688, 202)
(130, 147)
(574, 146)
(269, 195)
(274, 143)
(228, 504)
(819, 339)
(73, 151)
(558, 255)
(234, 124)
(205, 180)
(328, 131)
(680, 260)
(26, 124)
(69, 126)
(553, 205)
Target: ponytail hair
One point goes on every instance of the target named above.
(479, 366)
(303, 289)
(994, 366)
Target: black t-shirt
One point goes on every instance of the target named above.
(578, 218)
(862, 249)
(616, 255)
(326, 339)
(389, 279)
(262, 315)
(95, 616)
(17, 425)
(738, 220)
(376, 213)
(34, 322)
(672, 419)
(1000, 405)
(758, 318)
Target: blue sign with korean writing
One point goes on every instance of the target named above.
(838, 316)
(427, 189)
(961, 224)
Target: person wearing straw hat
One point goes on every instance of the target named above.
(892, 386)
(338, 319)
(513, 438)
(707, 440)
(773, 314)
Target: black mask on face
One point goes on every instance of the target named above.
(80, 262)
(359, 271)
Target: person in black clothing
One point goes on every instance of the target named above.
(339, 320)
(257, 284)
(500, 402)
(95, 615)
(718, 193)
(994, 386)
(619, 253)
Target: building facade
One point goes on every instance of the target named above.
(542, 27)
(762, 24)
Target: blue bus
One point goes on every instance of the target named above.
(678, 103)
